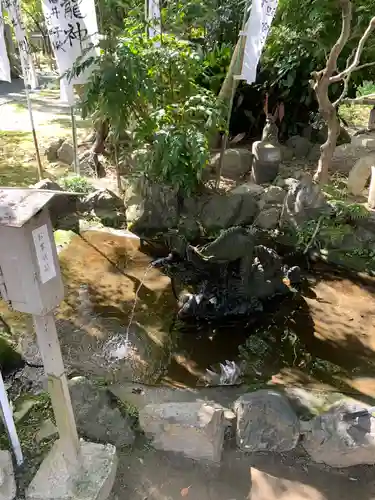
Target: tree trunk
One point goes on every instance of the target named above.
(102, 130)
(329, 113)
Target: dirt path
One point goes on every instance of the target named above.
(18, 166)
(147, 474)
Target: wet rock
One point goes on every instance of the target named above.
(60, 206)
(360, 174)
(105, 205)
(266, 422)
(273, 195)
(269, 218)
(65, 153)
(236, 163)
(300, 146)
(52, 149)
(347, 155)
(338, 443)
(8, 487)
(194, 429)
(96, 417)
(150, 206)
(304, 201)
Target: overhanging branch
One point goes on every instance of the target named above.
(355, 64)
(368, 100)
(346, 15)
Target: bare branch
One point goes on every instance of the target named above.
(368, 100)
(347, 72)
(346, 15)
(344, 91)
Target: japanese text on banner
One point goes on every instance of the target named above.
(4, 61)
(257, 28)
(28, 70)
(73, 32)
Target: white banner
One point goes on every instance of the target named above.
(154, 19)
(73, 31)
(4, 61)
(256, 32)
(28, 70)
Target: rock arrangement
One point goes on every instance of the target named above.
(264, 421)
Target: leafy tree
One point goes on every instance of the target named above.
(149, 96)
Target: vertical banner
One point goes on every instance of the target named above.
(28, 70)
(256, 32)
(154, 18)
(73, 32)
(4, 60)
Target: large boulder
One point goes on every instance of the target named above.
(300, 146)
(150, 206)
(96, 417)
(220, 211)
(347, 155)
(236, 163)
(249, 188)
(65, 153)
(304, 201)
(269, 218)
(335, 441)
(273, 195)
(105, 205)
(266, 422)
(194, 429)
(52, 149)
(360, 174)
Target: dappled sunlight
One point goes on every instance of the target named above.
(267, 487)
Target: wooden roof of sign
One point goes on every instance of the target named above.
(17, 206)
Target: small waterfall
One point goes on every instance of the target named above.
(117, 348)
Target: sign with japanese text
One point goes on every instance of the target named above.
(73, 32)
(4, 61)
(258, 25)
(28, 69)
(44, 255)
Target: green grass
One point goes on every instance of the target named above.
(355, 114)
(67, 123)
(18, 165)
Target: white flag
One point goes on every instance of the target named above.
(154, 18)
(73, 32)
(256, 32)
(28, 70)
(4, 61)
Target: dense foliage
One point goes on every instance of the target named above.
(148, 91)
(162, 98)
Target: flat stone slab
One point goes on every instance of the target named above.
(93, 481)
(195, 430)
(8, 487)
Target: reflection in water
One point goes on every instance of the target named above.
(325, 336)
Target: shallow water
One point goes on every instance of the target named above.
(324, 337)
